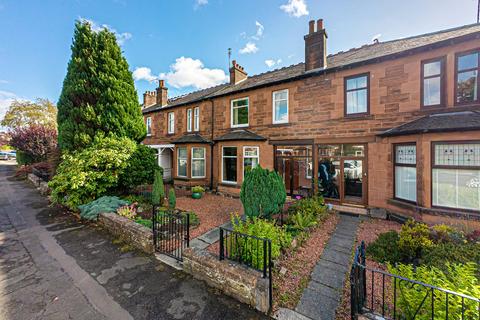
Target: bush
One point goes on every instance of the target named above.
(172, 199)
(128, 211)
(385, 248)
(453, 253)
(144, 222)
(33, 143)
(193, 219)
(262, 229)
(93, 172)
(91, 210)
(262, 193)
(457, 277)
(314, 206)
(414, 240)
(198, 189)
(158, 193)
(140, 169)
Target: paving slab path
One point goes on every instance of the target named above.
(323, 294)
(53, 266)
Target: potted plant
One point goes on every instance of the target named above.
(197, 192)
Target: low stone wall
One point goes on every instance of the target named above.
(131, 232)
(245, 285)
(41, 185)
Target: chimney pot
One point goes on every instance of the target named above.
(311, 26)
(319, 25)
(237, 73)
(161, 83)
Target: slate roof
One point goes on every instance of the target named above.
(370, 53)
(240, 134)
(440, 122)
(191, 138)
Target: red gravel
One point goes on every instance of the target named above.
(299, 263)
(369, 231)
(212, 210)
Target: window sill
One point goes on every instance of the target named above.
(362, 116)
(240, 126)
(450, 212)
(280, 124)
(230, 185)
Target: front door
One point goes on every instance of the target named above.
(342, 173)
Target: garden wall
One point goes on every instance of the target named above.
(41, 185)
(245, 285)
(131, 232)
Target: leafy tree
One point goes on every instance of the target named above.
(34, 142)
(85, 175)
(98, 94)
(140, 169)
(158, 192)
(262, 193)
(40, 112)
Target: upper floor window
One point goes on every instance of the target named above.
(280, 106)
(433, 82)
(148, 124)
(196, 119)
(456, 175)
(189, 120)
(356, 94)
(239, 112)
(406, 172)
(467, 66)
(171, 122)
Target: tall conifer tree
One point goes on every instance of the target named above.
(98, 95)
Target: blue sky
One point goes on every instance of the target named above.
(35, 36)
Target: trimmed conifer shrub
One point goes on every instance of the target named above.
(98, 95)
(140, 169)
(158, 192)
(172, 198)
(262, 193)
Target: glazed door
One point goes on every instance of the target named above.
(353, 180)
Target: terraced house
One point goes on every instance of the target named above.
(391, 126)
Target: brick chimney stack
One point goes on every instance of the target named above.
(149, 98)
(237, 73)
(315, 46)
(162, 93)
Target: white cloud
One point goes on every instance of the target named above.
(200, 3)
(188, 72)
(250, 47)
(296, 8)
(143, 73)
(259, 33)
(96, 27)
(271, 62)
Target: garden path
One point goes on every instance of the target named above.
(324, 292)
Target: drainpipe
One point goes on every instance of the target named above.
(212, 144)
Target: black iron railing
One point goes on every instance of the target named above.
(251, 251)
(392, 302)
(44, 176)
(171, 233)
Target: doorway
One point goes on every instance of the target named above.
(294, 164)
(342, 175)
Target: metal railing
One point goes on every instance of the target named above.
(392, 303)
(171, 232)
(251, 251)
(45, 176)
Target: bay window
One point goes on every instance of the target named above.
(239, 113)
(467, 66)
(250, 158)
(229, 164)
(198, 162)
(280, 106)
(406, 172)
(182, 162)
(456, 175)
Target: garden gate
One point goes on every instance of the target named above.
(171, 233)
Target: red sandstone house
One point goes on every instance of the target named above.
(391, 126)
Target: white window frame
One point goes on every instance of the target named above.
(178, 160)
(397, 164)
(204, 159)
(274, 121)
(236, 157)
(196, 119)
(171, 122)
(249, 157)
(189, 120)
(148, 124)
(248, 113)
